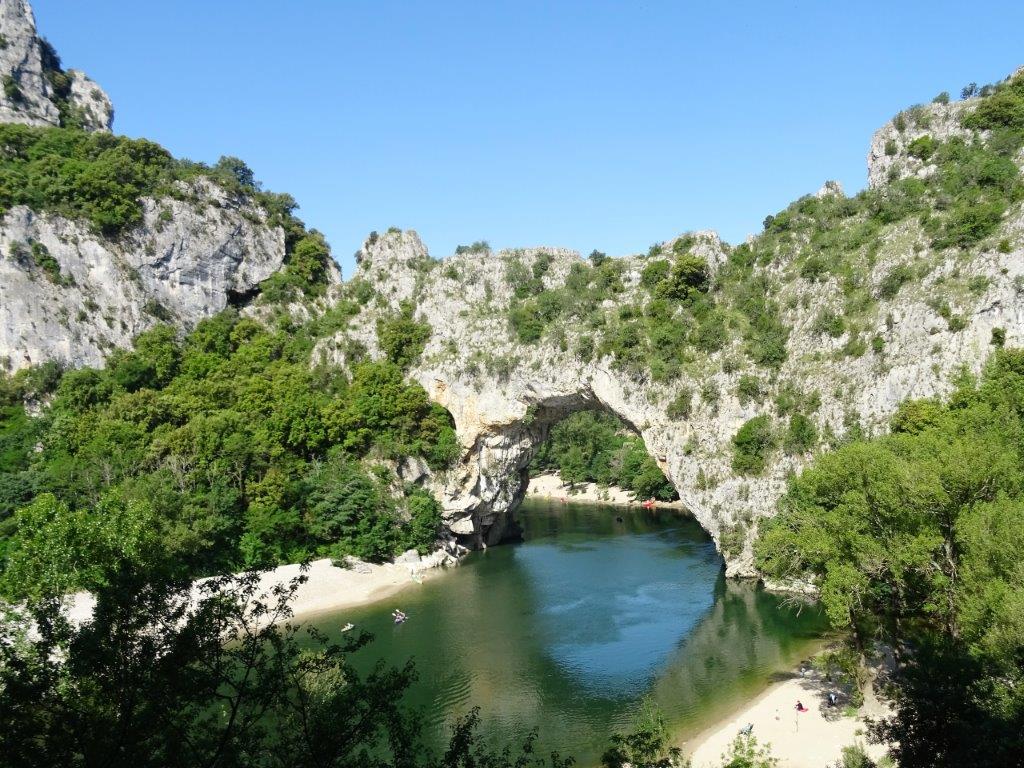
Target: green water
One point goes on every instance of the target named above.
(571, 629)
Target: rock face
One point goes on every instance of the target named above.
(505, 395)
(183, 263)
(36, 91)
(70, 295)
(888, 158)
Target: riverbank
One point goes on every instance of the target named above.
(550, 486)
(330, 588)
(810, 739)
(327, 587)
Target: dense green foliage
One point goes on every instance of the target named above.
(752, 445)
(101, 178)
(246, 453)
(646, 746)
(402, 337)
(657, 337)
(149, 681)
(596, 447)
(916, 537)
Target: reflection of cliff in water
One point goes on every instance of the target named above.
(643, 598)
(746, 636)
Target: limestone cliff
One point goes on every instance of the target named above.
(71, 293)
(186, 261)
(36, 90)
(897, 317)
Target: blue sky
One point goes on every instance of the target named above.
(583, 124)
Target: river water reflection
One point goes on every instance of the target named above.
(571, 629)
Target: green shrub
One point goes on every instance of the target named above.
(682, 404)
(654, 272)
(855, 346)
(895, 279)
(749, 390)
(828, 323)
(480, 246)
(526, 321)
(801, 435)
(753, 445)
(922, 147)
(687, 277)
(12, 90)
(401, 337)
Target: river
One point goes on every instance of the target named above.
(570, 631)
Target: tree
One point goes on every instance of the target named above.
(801, 435)
(401, 337)
(687, 278)
(744, 752)
(572, 467)
(951, 711)
(752, 445)
(149, 680)
(237, 172)
(915, 538)
(646, 746)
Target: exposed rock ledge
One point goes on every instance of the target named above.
(183, 263)
(28, 67)
(504, 406)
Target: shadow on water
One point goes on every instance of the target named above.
(572, 628)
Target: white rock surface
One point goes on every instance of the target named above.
(504, 396)
(182, 264)
(27, 95)
(92, 102)
(888, 159)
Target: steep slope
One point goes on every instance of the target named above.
(735, 365)
(102, 237)
(36, 89)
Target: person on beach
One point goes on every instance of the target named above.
(831, 698)
(800, 706)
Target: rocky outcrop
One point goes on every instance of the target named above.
(504, 395)
(70, 295)
(89, 102)
(888, 157)
(36, 91)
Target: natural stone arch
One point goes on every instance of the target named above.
(504, 393)
(482, 504)
(501, 435)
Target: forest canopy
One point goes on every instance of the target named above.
(914, 538)
(247, 455)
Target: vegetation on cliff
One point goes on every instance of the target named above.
(246, 455)
(915, 538)
(681, 309)
(102, 178)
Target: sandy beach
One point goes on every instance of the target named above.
(550, 486)
(328, 588)
(811, 739)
